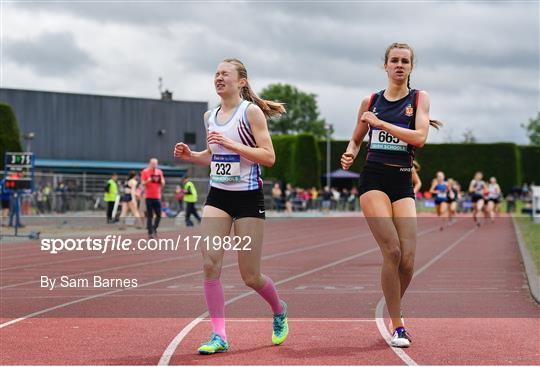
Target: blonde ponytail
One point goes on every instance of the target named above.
(269, 108)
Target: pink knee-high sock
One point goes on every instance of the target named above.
(269, 293)
(215, 300)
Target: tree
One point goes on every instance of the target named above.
(468, 137)
(10, 139)
(533, 130)
(302, 112)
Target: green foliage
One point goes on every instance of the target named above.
(458, 161)
(530, 163)
(302, 112)
(510, 164)
(297, 160)
(10, 140)
(306, 160)
(284, 148)
(533, 130)
(461, 161)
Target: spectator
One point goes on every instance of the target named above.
(352, 200)
(153, 180)
(343, 198)
(129, 201)
(47, 195)
(326, 199)
(289, 197)
(511, 202)
(335, 198)
(524, 190)
(5, 198)
(190, 198)
(277, 197)
(15, 210)
(40, 200)
(300, 200)
(110, 196)
(314, 196)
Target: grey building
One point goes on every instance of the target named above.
(81, 127)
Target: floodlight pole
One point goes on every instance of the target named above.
(328, 132)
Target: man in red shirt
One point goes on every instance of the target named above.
(153, 180)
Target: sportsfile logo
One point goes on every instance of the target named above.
(116, 243)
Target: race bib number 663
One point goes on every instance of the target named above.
(225, 168)
(381, 140)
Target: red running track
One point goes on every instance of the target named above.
(468, 303)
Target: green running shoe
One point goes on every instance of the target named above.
(280, 326)
(214, 345)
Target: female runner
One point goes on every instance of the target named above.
(397, 120)
(238, 141)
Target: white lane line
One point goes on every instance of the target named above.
(169, 351)
(41, 312)
(53, 262)
(380, 306)
(197, 293)
(25, 256)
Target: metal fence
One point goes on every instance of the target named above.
(84, 192)
(54, 192)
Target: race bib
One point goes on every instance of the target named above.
(381, 140)
(225, 168)
(441, 195)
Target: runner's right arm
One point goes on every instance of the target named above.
(432, 188)
(359, 133)
(471, 186)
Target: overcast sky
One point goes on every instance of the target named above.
(479, 61)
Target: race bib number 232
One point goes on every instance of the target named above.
(225, 168)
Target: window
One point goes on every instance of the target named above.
(190, 138)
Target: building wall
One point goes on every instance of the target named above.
(79, 126)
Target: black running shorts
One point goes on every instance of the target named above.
(476, 197)
(238, 204)
(396, 182)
